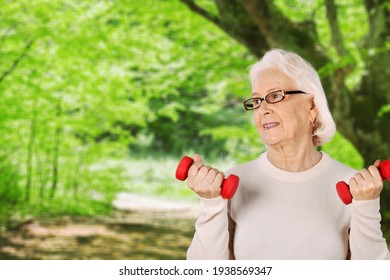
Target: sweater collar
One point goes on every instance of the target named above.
(283, 175)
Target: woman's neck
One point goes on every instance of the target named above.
(293, 158)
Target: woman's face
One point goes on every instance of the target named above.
(285, 122)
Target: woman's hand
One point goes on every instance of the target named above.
(367, 184)
(204, 180)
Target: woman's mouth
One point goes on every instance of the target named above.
(270, 125)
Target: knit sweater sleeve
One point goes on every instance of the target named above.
(366, 238)
(211, 238)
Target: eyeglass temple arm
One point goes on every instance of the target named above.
(294, 92)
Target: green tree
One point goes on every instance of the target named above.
(85, 82)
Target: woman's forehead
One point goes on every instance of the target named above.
(269, 90)
(271, 79)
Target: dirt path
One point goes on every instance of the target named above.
(140, 229)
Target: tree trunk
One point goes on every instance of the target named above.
(43, 177)
(30, 149)
(370, 124)
(56, 152)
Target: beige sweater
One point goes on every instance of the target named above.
(277, 214)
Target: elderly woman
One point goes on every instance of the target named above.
(286, 206)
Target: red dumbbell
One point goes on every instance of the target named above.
(343, 188)
(229, 185)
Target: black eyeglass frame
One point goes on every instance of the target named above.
(284, 93)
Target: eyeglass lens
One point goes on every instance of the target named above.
(272, 97)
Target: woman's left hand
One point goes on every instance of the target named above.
(367, 184)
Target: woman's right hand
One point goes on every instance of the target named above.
(204, 180)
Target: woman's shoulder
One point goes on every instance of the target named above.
(336, 163)
(337, 166)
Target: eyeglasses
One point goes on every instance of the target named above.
(271, 98)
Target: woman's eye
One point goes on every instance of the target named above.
(276, 96)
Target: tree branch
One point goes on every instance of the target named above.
(233, 20)
(261, 17)
(16, 61)
(337, 40)
(281, 32)
(379, 22)
(199, 10)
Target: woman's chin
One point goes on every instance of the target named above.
(269, 142)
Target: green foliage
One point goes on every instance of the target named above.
(353, 24)
(342, 150)
(9, 189)
(243, 143)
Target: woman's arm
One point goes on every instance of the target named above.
(211, 239)
(366, 237)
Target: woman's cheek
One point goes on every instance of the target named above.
(257, 122)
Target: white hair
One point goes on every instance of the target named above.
(306, 79)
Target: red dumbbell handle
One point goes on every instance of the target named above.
(229, 185)
(343, 188)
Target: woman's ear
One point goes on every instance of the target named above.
(313, 106)
(313, 111)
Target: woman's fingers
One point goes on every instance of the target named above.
(195, 167)
(367, 184)
(217, 183)
(204, 180)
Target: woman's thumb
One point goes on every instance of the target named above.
(197, 158)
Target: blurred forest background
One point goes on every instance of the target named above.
(99, 97)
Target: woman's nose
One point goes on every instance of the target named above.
(264, 107)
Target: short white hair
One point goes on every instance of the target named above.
(306, 79)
